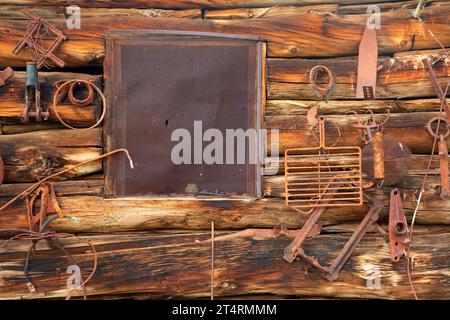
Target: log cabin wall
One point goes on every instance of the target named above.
(158, 248)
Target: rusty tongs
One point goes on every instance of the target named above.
(331, 273)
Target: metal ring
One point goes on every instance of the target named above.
(326, 92)
(55, 103)
(81, 102)
(438, 119)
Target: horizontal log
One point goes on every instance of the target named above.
(269, 12)
(399, 69)
(299, 35)
(179, 266)
(30, 127)
(396, 90)
(394, 5)
(14, 12)
(343, 107)
(408, 128)
(402, 76)
(182, 4)
(28, 164)
(339, 8)
(62, 188)
(12, 100)
(53, 138)
(117, 215)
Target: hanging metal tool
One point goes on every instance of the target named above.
(37, 30)
(310, 173)
(399, 237)
(437, 86)
(443, 154)
(48, 205)
(33, 107)
(367, 65)
(323, 92)
(385, 161)
(5, 75)
(331, 272)
(68, 89)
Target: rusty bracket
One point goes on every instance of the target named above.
(443, 155)
(437, 86)
(367, 65)
(5, 75)
(48, 205)
(33, 107)
(331, 273)
(399, 236)
(374, 131)
(33, 40)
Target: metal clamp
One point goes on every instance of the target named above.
(399, 236)
(33, 107)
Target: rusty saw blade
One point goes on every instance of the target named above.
(367, 65)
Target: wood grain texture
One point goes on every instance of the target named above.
(178, 266)
(30, 163)
(182, 4)
(13, 12)
(298, 35)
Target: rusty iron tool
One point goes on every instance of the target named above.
(443, 155)
(310, 173)
(37, 30)
(374, 148)
(437, 86)
(33, 107)
(292, 251)
(399, 236)
(48, 205)
(367, 65)
(5, 75)
(331, 272)
(326, 92)
(68, 88)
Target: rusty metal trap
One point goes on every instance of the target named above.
(323, 176)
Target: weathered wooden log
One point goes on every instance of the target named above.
(408, 128)
(339, 8)
(407, 67)
(117, 215)
(12, 100)
(399, 77)
(14, 12)
(30, 163)
(269, 12)
(181, 4)
(92, 187)
(299, 35)
(396, 90)
(343, 107)
(53, 138)
(179, 266)
(394, 5)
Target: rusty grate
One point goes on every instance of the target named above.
(323, 176)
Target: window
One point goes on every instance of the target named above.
(184, 104)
